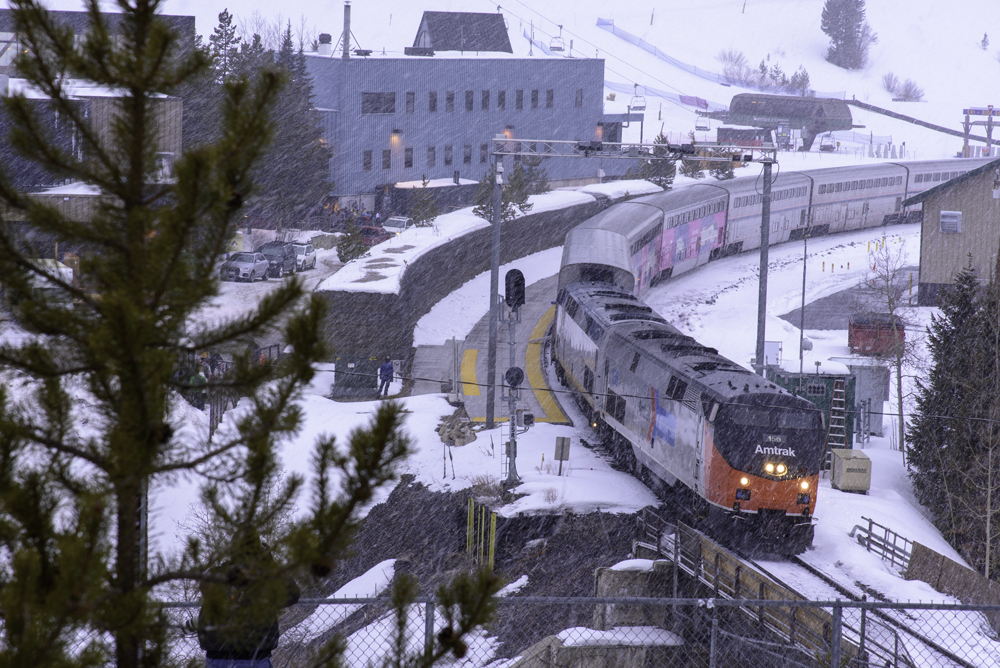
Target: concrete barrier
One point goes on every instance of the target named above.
(368, 323)
(952, 578)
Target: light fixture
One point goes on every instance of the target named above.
(804, 485)
(781, 469)
(769, 467)
(744, 480)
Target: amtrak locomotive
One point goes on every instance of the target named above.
(745, 452)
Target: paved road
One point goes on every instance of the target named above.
(832, 312)
(434, 362)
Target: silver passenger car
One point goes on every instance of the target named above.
(244, 267)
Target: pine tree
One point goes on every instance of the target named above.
(90, 410)
(662, 170)
(843, 21)
(939, 442)
(351, 245)
(294, 174)
(223, 46)
(538, 178)
(423, 209)
(513, 198)
(800, 81)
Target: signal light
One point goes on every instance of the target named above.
(769, 467)
(513, 282)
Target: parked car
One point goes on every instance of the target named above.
(281, 257)
(245, 267)
(397, 224)
(305, 256)
(372, 235)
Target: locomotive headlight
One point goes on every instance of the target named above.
(804, 485)
(781, 469)
(744, 480)
(769, 467)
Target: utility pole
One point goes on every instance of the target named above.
(765, 230)
(491, 356)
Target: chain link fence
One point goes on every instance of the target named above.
(537, 632)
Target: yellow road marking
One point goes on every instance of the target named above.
(470, 388)
(536, 379)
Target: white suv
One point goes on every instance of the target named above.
(305, 256)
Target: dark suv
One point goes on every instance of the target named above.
(280, 256)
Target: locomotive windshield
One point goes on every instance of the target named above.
(772, 417)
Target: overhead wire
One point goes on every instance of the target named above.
(607, 51)
(599, 395)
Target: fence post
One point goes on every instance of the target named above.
(861, 639)
(713, 648)
(429, 629)
(835, 634)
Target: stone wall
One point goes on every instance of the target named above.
(363, 323)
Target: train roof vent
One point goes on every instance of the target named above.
(618, 317)
(629, 308)
(611, 293)
(688, 345)
(646, 334)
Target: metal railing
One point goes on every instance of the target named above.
(884, 542)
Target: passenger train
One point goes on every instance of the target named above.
(745, 451)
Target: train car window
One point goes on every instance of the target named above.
(676, 389)
(588, 379)
(786, 419)
(635, 363)
(854, 185)
(595, 331)
(561, 297)
(838, 187)
(868, 183)
(822, 189)
(615, 406)
(571, 306)
(919, 178)
(937, 176)
(749, 416)
(899, 180)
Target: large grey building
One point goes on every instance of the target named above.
(396, 119)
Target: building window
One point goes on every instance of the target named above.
(486, 100)
(519, 100)
(501, 99)
(410, 97)
(467, 155)
(484, 153)
(579, 98)
(432, 101)
(408, 158)
(550, 98)
(469, 100)
(951, 222)
(386, 158)
(378, 103)
(431, 156)
(366, 161)
(449, 101)
(447, 155)
(534, 99)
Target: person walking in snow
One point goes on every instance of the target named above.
(385, 373)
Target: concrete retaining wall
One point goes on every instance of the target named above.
(362, 323)
(954, 579)
(613, 583)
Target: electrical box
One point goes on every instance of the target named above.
(851, 471)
